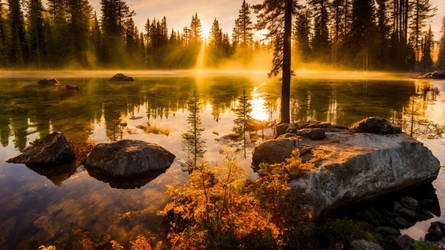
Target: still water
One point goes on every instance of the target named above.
(70, 209)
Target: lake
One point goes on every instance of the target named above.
(70, 208)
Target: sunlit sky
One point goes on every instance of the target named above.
(179, 12)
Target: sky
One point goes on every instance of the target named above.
(179, 12)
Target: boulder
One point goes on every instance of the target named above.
(438, 75)
(274, 151)
(365, 245)
(49, 82)
(387, 231)
(436, 231)
(312, 133)
(128, 158)
(354, 167)
(52, 150)
(281, 129)
(404, 242)
(433, 75)
(121, 78)
(375, 125)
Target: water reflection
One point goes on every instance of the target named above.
(125, 182)
(57, 174)
(65, 210)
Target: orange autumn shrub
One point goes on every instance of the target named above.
(225, 210)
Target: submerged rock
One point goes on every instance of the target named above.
(375, 125)
(49, 82)
(354, 167)
(121, 78)
(128, 158)
(52, 150)
(72, 87)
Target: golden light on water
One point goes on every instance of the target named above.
(258, 107)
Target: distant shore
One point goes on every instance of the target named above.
(299, 74)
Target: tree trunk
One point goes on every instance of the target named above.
(285, 88)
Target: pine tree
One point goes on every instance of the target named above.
(422, 10)
(147, 28)
(242, 112)
(236, 34)
(360, 41)
(79, 15)
(441, 59)
(97, 39)
(164, 31)
(3, 41)
(194, 145)
(338, 13)
(195, 30)
(114, 15)
(216, 35)
(18, 50)
(36, 32)
(427, 61)
(244, 26)
(58, 42)
(276, 17)
(320, 42)
(302, 32)
(131, 37)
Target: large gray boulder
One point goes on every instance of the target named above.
(52, 150)
(353, 166)
(128, 158)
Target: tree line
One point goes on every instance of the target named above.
(363, 34)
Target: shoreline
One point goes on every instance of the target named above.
(298, 74)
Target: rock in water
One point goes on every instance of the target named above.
(353, 166)
(375, 125)
(53, 150)
(121, 78)
(49, 82)
(128, 158)
(72, 87)
(365, 245)
(433, 75)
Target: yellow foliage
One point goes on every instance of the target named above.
(220, 208)
(42, 247)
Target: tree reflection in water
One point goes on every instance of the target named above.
(84, 207)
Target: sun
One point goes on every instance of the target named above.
(205, 32)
